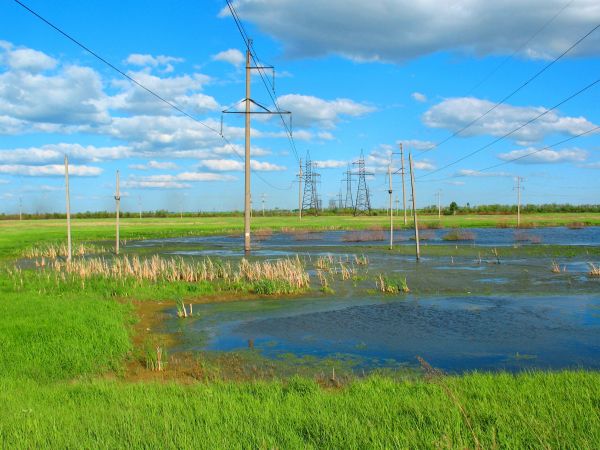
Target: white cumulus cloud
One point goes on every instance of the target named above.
(231, 56)
(418, 97)
(232, 165)
(49, 170)
(533, 156)
(397, 30)
(455, 113)
(308, 110)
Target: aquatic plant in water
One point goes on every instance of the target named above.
(389, 285)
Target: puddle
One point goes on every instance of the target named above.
(454, 333)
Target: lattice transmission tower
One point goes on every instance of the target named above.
(310, 200)
(363, 201)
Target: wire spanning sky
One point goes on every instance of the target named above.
(356, 76)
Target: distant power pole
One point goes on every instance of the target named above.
(69, 251)
(391, 209)
(262, 197)
(414, 207)
(20, 208)
(340, 202)
(300, 190)
(518, 188)
(397, 202)
(118, 207)
(402, 173)
(439, 196)
(140, 204)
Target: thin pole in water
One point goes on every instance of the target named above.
(118, 201)
(403, 190)
(414, 207)
(69, 252)
(391, 208)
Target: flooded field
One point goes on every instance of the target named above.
(500, 300)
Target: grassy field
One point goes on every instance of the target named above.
(17, 235)
(65, 348)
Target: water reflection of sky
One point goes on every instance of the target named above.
(284, 244)
(453, 333)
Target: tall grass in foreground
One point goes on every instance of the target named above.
(530, 410)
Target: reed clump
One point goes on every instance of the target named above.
(182, 310)
(389, 285)
(594, 270)
(156, 359)
(262, 235)
(459, 235)
(364, 236)
(288, 272)
(576, 225)
(54, 250)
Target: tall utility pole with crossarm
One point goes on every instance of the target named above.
(247, 112)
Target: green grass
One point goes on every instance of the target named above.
(15, 236)
(527, 411)
(64, 346)
(61, 337)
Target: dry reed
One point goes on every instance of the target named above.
(53, 251)
(157, 269)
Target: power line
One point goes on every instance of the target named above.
(511, 160)
(531, 38)
(592, 84)
(537, 74)
(248, 43)
(137, 83)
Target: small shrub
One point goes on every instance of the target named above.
(459, 235)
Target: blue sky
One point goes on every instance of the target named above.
(356, 75)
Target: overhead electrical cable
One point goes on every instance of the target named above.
(137, 83)
(511, 94)
(526, 155)
(270, 89)
(523, 125)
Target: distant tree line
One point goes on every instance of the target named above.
(451, 209)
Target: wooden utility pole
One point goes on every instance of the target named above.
(69, 251)
(118, 207)
(247, 111)
(403, 190)
(300, 191)
(247, 205)
(518, 188)
(414, 207)
(439, 197)
(391, 209)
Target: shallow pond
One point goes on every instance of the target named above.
(452, 333)
(282, 244)
(469, 309)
